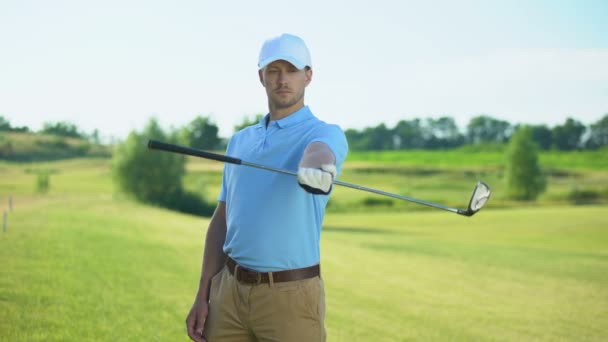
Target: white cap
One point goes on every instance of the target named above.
(285, 47)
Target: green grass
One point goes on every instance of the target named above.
(528, 274)
(78, 269)
(469, 157)
(82, 263)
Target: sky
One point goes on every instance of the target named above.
(112, 65)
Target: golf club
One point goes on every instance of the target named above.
(481, 192)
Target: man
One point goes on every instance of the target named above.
(260, 278)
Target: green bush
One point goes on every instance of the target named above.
(43, 182)
(583, 196)
(187, 202)
(154, 177)
(6, 148)
(524, 177)
(57, 142)
(377, 202)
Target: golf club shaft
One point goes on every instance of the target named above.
(158, 145)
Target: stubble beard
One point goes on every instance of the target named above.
(276, 102)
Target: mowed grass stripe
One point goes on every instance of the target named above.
(100, 268)
(472, 279)
(95, 270)
(474, 156)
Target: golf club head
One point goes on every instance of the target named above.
(481, 195)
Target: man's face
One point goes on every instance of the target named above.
(285, 85)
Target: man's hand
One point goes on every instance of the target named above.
(317, 181)
(195, 323)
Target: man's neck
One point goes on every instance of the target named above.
(278, 114)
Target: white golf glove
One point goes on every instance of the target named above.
(317, 181)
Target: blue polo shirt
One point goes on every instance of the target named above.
(272, 223)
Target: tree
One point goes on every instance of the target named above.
(380, 138)
(443, 133)
(356, 139)
(487, 129)
(148, 176)
(4, 124)
(568, 136)
(201, 133)
(155, 177)
(410, 133)
(94, 137)
(62, 128)
(541, 134)
(598, 135)
(524, 177)
(371, 138)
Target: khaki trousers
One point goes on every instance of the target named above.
(278, 312)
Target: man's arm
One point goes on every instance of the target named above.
(213, 261)
(317, 168)
(213, 257)
(317, 154)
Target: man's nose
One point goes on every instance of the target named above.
(282, 77)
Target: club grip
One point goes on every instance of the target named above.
(159, 145)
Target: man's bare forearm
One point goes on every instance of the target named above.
(213, 256)
(317, 154)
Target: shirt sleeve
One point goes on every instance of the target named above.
(334, 137)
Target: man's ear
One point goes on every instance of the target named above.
(308, 72)
(261, 75)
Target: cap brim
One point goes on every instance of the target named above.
(298, 64)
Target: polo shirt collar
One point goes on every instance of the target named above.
(292, 119)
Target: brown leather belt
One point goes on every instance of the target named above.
(248, 276)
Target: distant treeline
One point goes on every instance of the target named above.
(61, 140)
(429, 133)
(54, 141)
(443, 133)
(61, 128)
